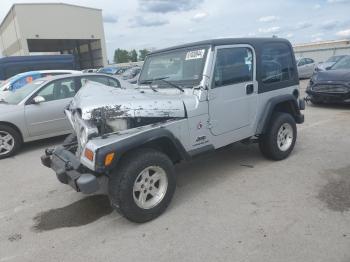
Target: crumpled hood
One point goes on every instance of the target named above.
(333, 75)
(96, 100)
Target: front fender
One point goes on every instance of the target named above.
(136, 141)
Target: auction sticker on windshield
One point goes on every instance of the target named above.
(196, 54)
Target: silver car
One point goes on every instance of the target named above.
(306, 67)
(36, 111)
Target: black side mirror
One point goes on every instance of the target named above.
(328, 68)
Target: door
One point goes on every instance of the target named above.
(47, 117)
(233, 94)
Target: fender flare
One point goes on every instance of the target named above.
(270, 106)
(136, 141)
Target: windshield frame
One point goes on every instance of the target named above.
(185, 83)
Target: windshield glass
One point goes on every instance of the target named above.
(108, 70)
(182, 66)
(342, 64)
(334, 59)
(15, 97)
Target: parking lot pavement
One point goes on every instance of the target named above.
(229, 206)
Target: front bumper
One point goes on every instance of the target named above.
(69, 170)
(328, 97)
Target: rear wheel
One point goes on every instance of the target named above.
(10, 141)
(278, 142)
(143, 185)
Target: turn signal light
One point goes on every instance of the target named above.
(109, 159)
(89, 154)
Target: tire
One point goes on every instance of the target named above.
(132, 182)
(10, 141)
(314, 102)
(276, 147)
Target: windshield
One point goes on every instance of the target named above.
(334, 59)
(184, 66)
(15, 97)
(344, 63)
(108, 70)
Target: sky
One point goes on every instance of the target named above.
(138, 24)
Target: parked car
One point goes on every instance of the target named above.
(13, 65)
(332, 86)
(190, 99)
(306, 67)
(20, 80)
(91, 70)
(36, 111)
(132, 74)
(329, 63)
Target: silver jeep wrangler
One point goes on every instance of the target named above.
(190, 99)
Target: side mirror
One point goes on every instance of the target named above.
(38, 100)
(328, 68)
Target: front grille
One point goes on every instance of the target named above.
(337, 89)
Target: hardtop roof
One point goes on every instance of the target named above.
(226, 41)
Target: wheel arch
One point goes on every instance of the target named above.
(159, 139)
(14, 127)
(284, 104)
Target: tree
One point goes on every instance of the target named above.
(143, 53)
(121, 56)
(133, 55)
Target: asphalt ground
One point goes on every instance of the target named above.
(232, 205)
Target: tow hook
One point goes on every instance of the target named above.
(49, 151)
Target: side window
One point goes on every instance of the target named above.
(99, 79)
(276, 63)
(59, 89)
(113, 82)
(233, 66)
(302, 62)
(310, 61)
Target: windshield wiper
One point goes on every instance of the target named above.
(150, 81)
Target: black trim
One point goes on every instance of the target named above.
(270, 106)
(136, 141)
(202, 150)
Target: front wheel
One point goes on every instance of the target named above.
(279, 140)
(143, 185)
(10, 141)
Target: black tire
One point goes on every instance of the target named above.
(268, 142)
(122, 181)
(316, 103)
(17, 140)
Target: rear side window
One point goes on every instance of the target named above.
(233, 66)
(277, 63)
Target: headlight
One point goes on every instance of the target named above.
(83, 136)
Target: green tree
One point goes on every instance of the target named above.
(143, 53)
(133, 55)
(121, 56)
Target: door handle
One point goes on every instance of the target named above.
(249, 89)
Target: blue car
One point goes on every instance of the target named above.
(18, 81)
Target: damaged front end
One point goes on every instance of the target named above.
(98, 111)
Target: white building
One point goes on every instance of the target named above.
(55, 28)
(321, 51)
